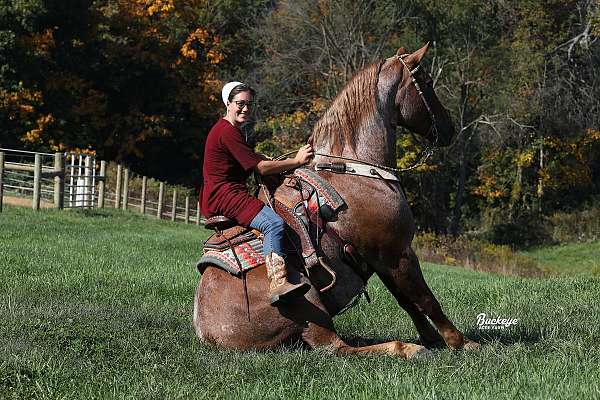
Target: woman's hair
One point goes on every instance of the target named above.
(239, 89)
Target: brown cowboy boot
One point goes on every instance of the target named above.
(280, 288)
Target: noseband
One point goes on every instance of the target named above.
(382, 171)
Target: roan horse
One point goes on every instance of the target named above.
(360, 125)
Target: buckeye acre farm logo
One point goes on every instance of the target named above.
(485, 322)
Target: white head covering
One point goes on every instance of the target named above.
(227, 89)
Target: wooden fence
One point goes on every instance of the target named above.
(78, 181)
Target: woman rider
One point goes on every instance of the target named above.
(228, 161)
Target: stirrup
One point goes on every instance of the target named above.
(299, 290)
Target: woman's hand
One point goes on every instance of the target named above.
(304, 154)
(268, 167)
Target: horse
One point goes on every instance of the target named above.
(359, 125)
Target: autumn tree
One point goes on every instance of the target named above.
(24, 44)
(308, 50)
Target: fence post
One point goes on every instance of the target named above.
(37, 174)
(1, 179)
(59, 181)
(187, 209)
(143, 203)
(88, 201)
(101, 184)
(125, 188)
(118, 187)
(174, 205)
(161, 195)
(198, 212)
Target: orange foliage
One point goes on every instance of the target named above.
(489, 188)
(34, 136)
(158, 6)
(202, 38)
(569, 161)
(19, 104)
(41, 42)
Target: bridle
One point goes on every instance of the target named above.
(429, 149)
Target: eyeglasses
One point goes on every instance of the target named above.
(242, 103)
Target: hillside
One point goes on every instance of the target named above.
(98, 304)
(570, 258)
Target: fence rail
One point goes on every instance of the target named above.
(73, 180)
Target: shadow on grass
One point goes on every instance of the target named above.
(358, 341)
(506, 337)
(93, 213)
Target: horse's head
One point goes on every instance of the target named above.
(415, 104)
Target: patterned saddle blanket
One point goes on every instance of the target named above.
(310, 197)
(246, 243)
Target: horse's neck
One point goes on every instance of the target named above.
(375, 143)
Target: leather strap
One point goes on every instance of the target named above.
(308, 249)
(357, 169)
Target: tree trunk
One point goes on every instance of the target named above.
(460, 190)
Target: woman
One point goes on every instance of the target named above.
(228, 161)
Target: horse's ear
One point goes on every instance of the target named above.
(401, 51)
(416, 57)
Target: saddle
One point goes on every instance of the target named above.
(305, 201)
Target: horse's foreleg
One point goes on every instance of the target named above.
(320, 337)
(428, 335)
(406, 281)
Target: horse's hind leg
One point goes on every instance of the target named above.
(318, 336)
(318, 331)
(406, 282)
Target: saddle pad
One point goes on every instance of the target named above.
(236, 235)
(327, 194)
(249, 253)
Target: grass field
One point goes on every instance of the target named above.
(569, 259)
(98, 305)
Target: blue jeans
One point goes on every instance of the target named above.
(273, 227)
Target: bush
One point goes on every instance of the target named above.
(527, 231)
(475, 254)
(581, 226)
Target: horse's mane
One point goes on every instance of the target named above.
(353, 104)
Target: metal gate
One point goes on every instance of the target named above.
(80, 181)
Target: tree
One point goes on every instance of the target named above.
(306, 51)
(23, 46)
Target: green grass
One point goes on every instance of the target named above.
(570, 258)
(98, 305)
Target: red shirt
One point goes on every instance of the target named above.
(228, 162)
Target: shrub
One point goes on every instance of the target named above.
(581, 226)
(475, 254)
(526, 231)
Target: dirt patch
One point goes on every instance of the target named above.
(25, 202)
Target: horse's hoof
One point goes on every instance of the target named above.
(416, 352)
(471, 345)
